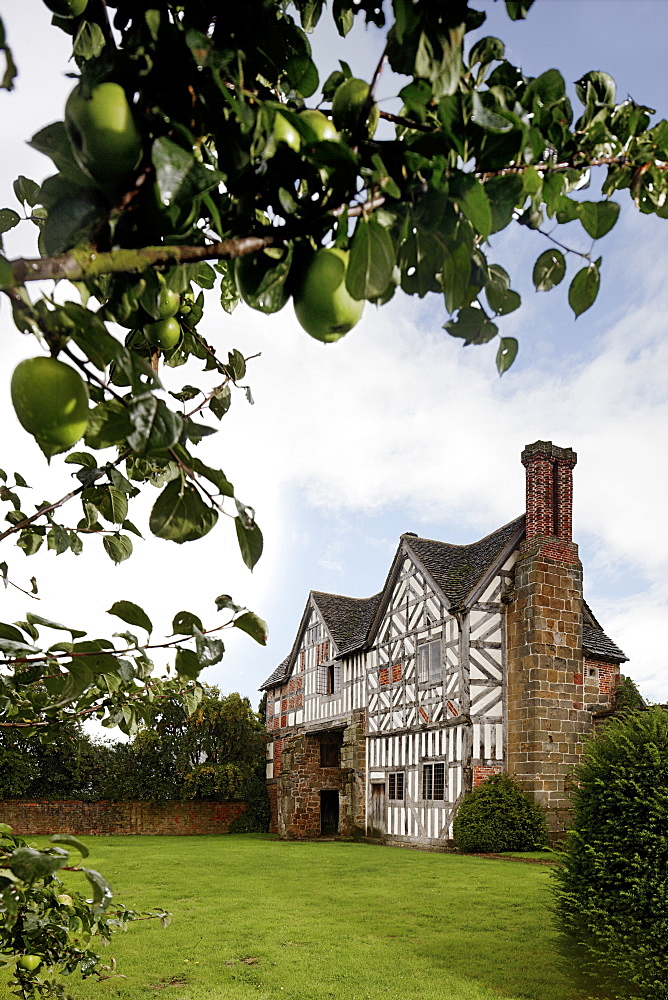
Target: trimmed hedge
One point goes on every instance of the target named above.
(612, 891)
(498, 816)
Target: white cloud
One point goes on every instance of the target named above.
(397, 416)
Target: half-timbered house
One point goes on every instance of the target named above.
(472, 659)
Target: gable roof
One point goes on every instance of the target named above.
(279, 675)
(458, 569)
(347, 618)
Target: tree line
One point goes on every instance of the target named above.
(216, 753)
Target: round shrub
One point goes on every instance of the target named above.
(612, 890)
(498, 816)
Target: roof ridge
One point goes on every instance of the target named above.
(467, 545)
(346, 597)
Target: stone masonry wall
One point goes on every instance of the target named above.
(302, 778)
(548, 697)
(353, 766)
(81, 818)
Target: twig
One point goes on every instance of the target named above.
(59, 503)
(406, 122)
(91, 375)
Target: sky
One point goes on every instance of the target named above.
(396, 427)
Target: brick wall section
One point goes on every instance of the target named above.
(608, 678)
(103, 818)
(549, 490)
(481, 773)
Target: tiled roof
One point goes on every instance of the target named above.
(458, 568)
(279, 675)
(347, 618)
(595, 642)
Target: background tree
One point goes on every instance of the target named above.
(159, 172)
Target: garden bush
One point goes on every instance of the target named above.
(612, 890)
(499, 816)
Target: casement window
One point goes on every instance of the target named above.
(429, 662)
(396, 785)
(328, 680)
(433, 781)
(312, 634)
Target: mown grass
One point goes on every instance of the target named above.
(255, 917)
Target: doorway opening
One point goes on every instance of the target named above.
(329, 812)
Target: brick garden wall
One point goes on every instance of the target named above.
(79, 818)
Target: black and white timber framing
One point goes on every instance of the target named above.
(424, 664)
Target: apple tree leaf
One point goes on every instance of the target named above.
(187, 663)
(584, 289)
(250, 541)
(506, 354)
(253, 625)
(371, 260)
(180, 515)
(549, 270)
(598, 217)
(131, 614)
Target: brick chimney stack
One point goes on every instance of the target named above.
(549, 497)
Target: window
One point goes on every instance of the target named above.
(313, 634)
(396, 785)
(429, 662)
(433, 781)
(328, 679)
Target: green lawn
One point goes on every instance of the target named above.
(255, 917)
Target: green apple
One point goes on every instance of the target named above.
(285, 132)
(102, 131)
(65, 899)
(51, 402)
(67, 8)
(349, 100)
(166, 333)
(167, 302)
(323, 305)
(320, 124)
(249, 273)
(29, 962)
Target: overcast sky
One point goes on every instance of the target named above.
(397, 428)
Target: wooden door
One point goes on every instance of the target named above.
(378, 811)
